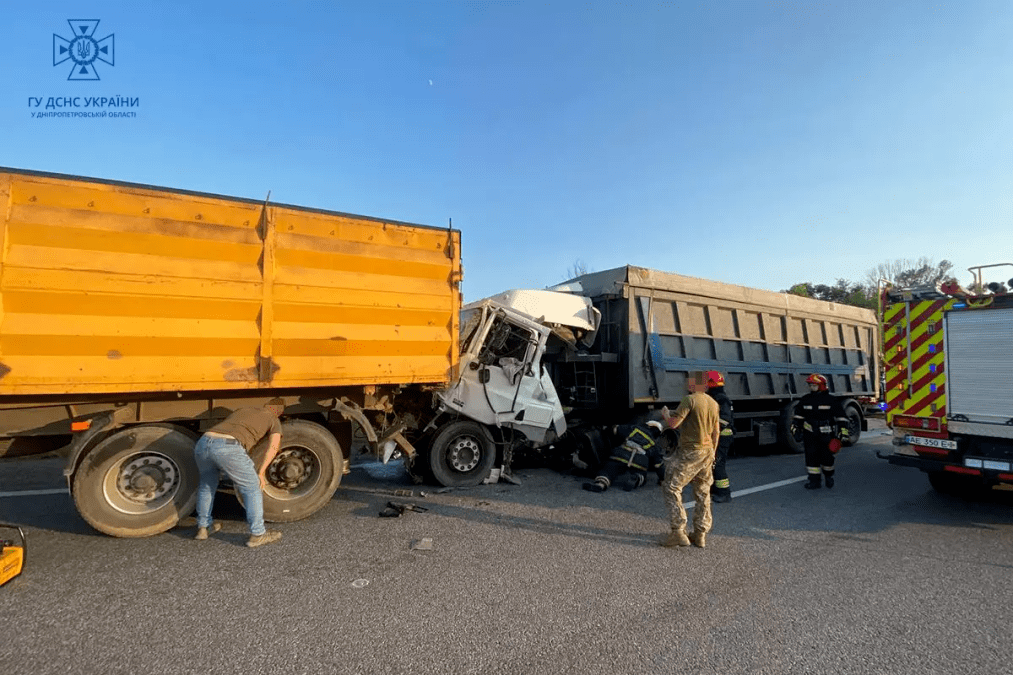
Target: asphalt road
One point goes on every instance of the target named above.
(879, 575)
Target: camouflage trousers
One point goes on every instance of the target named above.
(686, 467)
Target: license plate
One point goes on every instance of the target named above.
(931, 442)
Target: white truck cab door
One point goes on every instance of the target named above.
(501, 381)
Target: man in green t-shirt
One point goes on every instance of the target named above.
(226, 447)
(692, 463)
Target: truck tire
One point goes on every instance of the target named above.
(950, 484)
(854, 423)
(138, 481)
(462, 454)
(787, 440)
(304, 474)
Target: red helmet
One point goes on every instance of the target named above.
(816, 378)
(714, 379)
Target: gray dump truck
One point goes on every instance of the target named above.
(556, 368)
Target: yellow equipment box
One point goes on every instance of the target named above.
(12, 560)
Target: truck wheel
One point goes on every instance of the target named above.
(138, 481)
(854, 424)
(956, 486)
(462, 454)
(304, 474)
(787, 440)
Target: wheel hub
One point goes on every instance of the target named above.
(146, 478)
(291, 468)
(464, 454)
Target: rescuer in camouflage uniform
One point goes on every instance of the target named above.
(638, 454)
(821, 419)
(721, 491)
(691, 462)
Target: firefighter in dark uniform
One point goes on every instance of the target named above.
(637, 455)
(820, 417)
(721, 490)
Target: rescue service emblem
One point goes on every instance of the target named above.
(83, 49)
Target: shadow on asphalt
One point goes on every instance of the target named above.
(870, 496)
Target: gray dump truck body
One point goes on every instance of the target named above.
(657, 328)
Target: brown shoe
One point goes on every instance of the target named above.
(261, 539)
(202, 532)
(675, 538)
(698, 539)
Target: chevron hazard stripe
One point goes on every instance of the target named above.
(913, 338)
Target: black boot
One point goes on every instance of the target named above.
(829, 475)
(814, 482)
(596, 486)
(635, 481)
(721, 495)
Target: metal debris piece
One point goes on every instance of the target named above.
(394, 509)
(404, 493)
(360, 583)
(423, 544)
(510, 478)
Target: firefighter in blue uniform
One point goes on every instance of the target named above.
(721, 490)
(637, 455)
(820, 418)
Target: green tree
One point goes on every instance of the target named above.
(842, 291)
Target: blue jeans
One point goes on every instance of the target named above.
(228, 455)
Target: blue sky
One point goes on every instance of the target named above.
(756, 143)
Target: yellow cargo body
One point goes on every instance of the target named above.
(118, 288)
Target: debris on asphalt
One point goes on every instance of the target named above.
(423, 544)
(395, 510)
(360, 583)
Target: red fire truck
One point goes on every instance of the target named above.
(948, 361)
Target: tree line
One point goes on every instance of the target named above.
(864, 293)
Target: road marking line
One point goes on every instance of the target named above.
(35, 493)
(770, 486)
(759, 488)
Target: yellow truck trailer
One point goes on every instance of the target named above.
(133, 317)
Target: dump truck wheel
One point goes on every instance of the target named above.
(304, 474)
(462, 454)
(787, 440)
(854, 424)
(138, 481)
(947, 483)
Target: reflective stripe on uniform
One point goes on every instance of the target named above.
(722, 483)
(648, 441)
(813, 469)
(727, 432)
